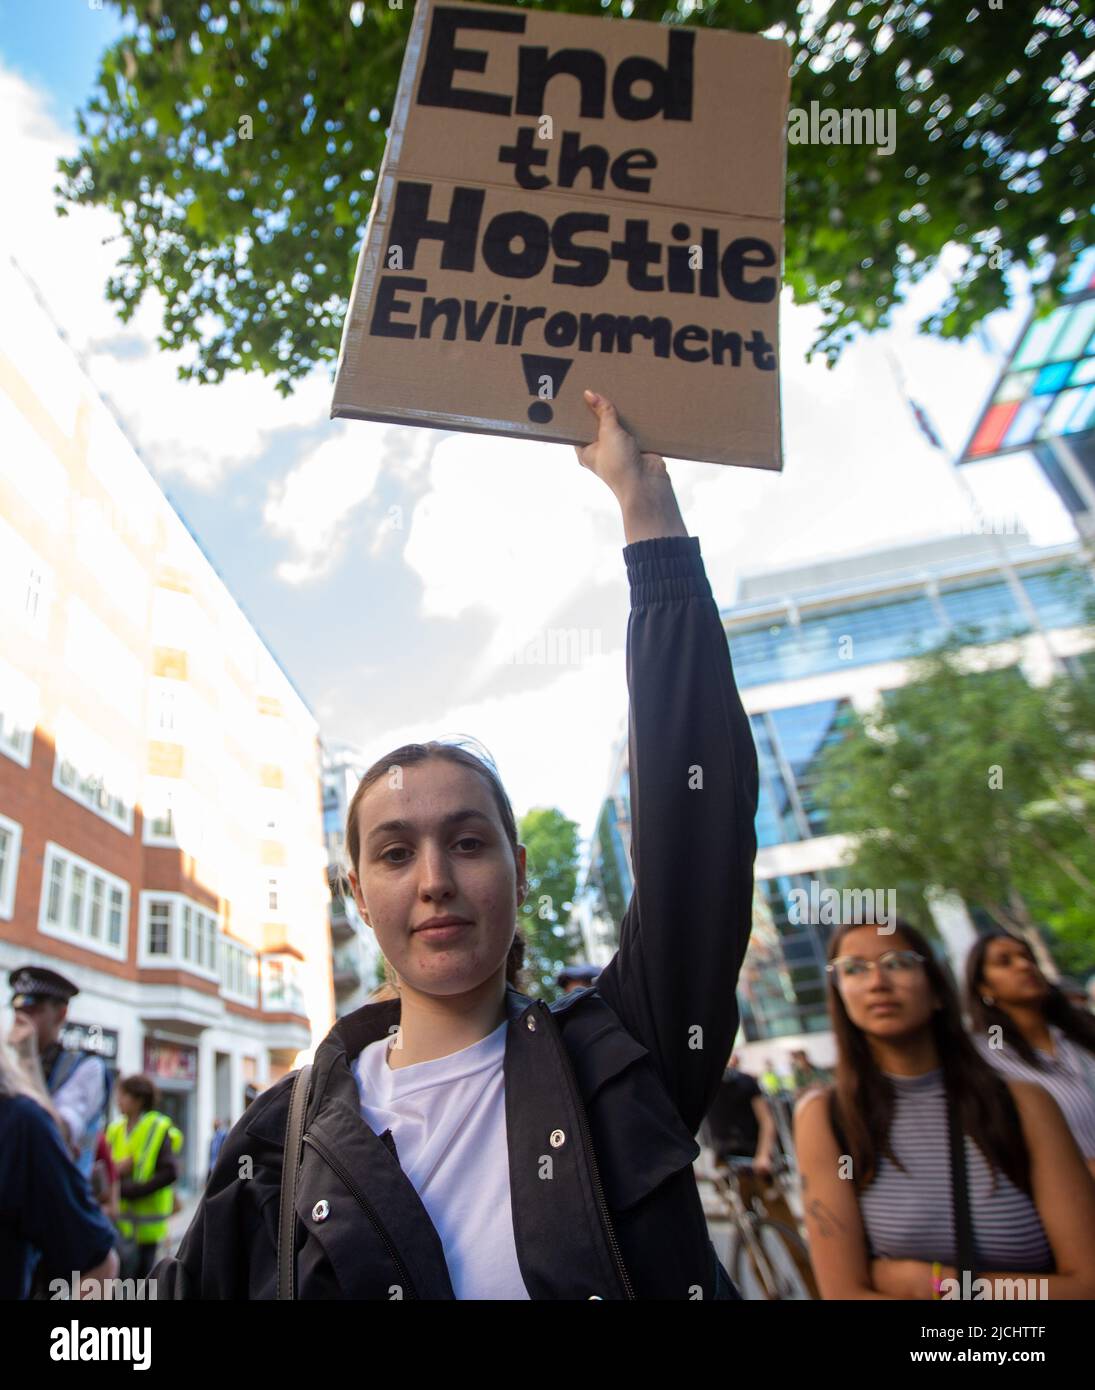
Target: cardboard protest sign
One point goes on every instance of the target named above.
(566, 203)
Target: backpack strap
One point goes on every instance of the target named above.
(965, 1249)
(834, 1122)
(290, 1173)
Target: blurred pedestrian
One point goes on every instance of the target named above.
(804, 1074)
(740, 1122)
(105, 1184)
(144, 1144)
(1029, 1031)
(770, 1081)
(76, 1080)
(50, 1224)
(887, 1210)
(577, 976)
(220, 1133)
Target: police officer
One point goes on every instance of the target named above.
(77, 1081)
(579, 976)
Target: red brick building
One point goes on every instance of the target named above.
(160, 806)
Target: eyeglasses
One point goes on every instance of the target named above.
(895, 963)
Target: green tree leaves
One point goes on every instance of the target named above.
(551, 841)
(973, 780)
(258, 237)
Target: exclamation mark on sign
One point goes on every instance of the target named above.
(543, 377)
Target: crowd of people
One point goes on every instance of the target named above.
(942, 1144)
(82, 1201)
(940, 1148)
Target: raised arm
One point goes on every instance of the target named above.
(693, 771)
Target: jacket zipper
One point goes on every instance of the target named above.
(587, 1143)
(351, 1186)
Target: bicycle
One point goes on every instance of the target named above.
(767, 1257)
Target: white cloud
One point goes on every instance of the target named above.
(310, 507)
(201, 433)
(514, 528)
(552, 745)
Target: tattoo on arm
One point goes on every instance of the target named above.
(828, 1223)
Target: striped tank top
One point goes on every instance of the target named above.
(1069, 1077)
(909, 1215)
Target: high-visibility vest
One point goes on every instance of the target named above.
(147, 1215)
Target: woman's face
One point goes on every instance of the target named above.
(435, 846)
(1010, 976)
(886, 1005)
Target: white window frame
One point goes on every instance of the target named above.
(204, 928)
(9, 871)
(272, 806)
(112, 885)
(124, 823)
(155, 787)
(275, 887)
(290, 973)
(26, 585)
(20, 748)
(237, 957)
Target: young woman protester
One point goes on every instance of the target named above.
(1027, 1030)
(461, 1140)
(875, 1149)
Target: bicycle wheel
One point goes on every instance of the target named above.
(782, 1245)
(779, 1278)
(745, 1274)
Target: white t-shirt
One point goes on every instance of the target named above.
(448, 1120)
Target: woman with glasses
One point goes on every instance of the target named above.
(1027, 1029)
(875, 1156)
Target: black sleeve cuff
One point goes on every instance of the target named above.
(668, 567)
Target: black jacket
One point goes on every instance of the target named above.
(611, 1082)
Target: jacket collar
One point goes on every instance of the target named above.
(332, 1069)
(375, 1021)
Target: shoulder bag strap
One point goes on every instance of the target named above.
(963, 1221)
(290, 1171)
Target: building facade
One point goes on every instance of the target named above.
(160, 822)
(1043, 402)
(810, 646)
(355, 955)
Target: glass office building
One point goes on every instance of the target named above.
(1044, 399)
(811, 647)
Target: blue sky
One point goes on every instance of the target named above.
(55, 44)
(392, 571)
